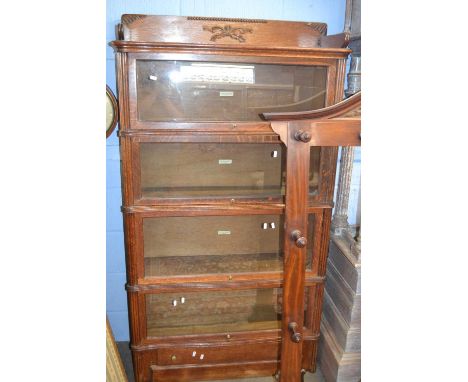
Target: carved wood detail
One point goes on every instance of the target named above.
(227, 31)
(128, 19)
(227, 19)
(319, 27)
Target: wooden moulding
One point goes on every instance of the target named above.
(146, 32)
(184, 366)
(215, 282)
(237, 208)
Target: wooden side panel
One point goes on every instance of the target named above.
(336, 133)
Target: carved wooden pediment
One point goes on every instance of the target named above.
(221, 31)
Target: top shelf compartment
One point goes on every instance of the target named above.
(182, 91)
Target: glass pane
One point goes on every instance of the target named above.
(310, 240)
(195, 91)
(171, 314)
(314, 171)
(203, 170)
(183, 246)
(212, 245)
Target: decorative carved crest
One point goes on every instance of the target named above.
(227, 31)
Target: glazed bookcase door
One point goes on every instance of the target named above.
(204, 171)
(214, 312)
(182, 91)
(221, 312)
(204, 245)
(218, 247)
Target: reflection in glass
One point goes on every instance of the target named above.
(203, 170)
(212, 245)
(213, 312)
(200, 245)
(190, 91)
(228, 311)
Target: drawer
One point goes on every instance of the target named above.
(235, 360)
(215, 371)
(201, 355)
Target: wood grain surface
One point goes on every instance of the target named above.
(238, 311)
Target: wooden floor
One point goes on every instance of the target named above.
(127, 361)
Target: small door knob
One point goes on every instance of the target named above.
(299, 240)
(295, 335)
(302, 136)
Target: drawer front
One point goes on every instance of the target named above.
(201, 355)
(213, 372)
(236, 360)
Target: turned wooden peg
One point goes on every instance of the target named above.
(302, 136)
(299, 240)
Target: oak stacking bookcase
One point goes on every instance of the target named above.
(229, 133)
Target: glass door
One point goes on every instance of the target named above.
(179, 246)
(208, 171)
(189, 91)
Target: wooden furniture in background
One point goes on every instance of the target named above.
(115, 371)
(227, 210)
(340, 343)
